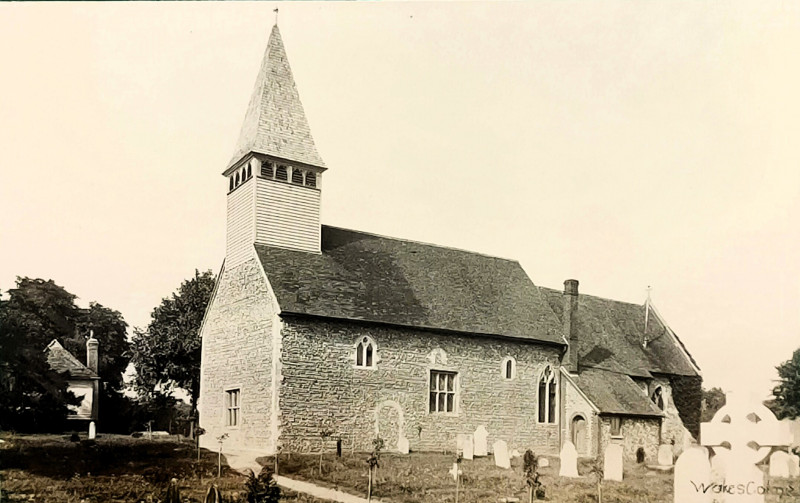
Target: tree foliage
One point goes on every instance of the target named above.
(36, 312)
(167, 353)
(713, 400)
(786, 402)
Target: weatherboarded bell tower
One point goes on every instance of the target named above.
(275, 175)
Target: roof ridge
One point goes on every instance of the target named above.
(434, 245)
(597, 297)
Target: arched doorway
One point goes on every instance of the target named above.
(579, 434)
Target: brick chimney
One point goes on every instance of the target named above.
(570, 330)
(91, 353)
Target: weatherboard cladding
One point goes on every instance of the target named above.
(361, 276)
(275, 122)
(611, 334)
(287, 215)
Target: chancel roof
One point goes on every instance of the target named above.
(275, 123)
(61, 360)
(360, 276)
(611, 337)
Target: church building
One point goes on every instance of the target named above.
(315, 328)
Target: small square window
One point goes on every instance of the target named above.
(232, 407)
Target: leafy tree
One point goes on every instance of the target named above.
(713, 400)
(167, 353)
(36, 312)
(786, 402)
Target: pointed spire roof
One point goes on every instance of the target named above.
(275, 123)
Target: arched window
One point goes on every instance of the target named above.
(366, 353)
(244, 174)
(280, 173)
(297, 176)
(237, 179)
(268, 169)
(311, 179)
(249, 171)
(547, 396)
(230, 186)
(658, 397)
(509, 368)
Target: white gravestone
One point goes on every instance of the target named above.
(779, 464)
(544, 462)
(665, 455)
(402, 445)
(92, 430)
(569, 460)
(612, 463)
(794, 465)
(454, 471)
(469, 447)
(460, 442)
(743, 432)
(692, 471)
(481, 436)
(501, 457)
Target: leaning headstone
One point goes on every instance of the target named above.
(480, 437)
(691, 470)
(92, 430)
(469, 447)
(402, 445)
(612, 463)
(544, 462)
(665, 455)
(779, 464)
(501, 457)
(569, 460)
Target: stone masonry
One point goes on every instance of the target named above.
(322, 387)
(237, 354)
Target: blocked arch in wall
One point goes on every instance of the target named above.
(388, 428)
(579, 433)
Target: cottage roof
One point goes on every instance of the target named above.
(611, 336)
(614, 393)
(360, 276)
(62, 360)
(275, 122)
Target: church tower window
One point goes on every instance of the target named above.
(230, 185)
(249, 171)
(280, 173)
(311, 179)
(547, 396)
(237, 179)
(297, 176)
(268, 169)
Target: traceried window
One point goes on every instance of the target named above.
(366, 353)
(509, 368)
(232, 407)
(442, 391)
(616, 426)
(547, 396)
(658, 397)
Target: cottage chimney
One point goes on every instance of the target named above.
(91, 352)
(570, 331)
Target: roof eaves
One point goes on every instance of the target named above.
(423, 328)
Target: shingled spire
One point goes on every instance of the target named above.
(275, 123)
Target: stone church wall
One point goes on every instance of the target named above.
(672, 428)
(635, 433)
(322, 388)
(237, 353)
(576, 405)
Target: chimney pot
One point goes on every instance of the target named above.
(92, 353)
(571, 287)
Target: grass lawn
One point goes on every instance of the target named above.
(114, 468)
(423, 477)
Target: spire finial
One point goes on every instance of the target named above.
(275, 10)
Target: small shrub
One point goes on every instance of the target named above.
(261, 489)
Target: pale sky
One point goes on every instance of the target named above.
(624, 144)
